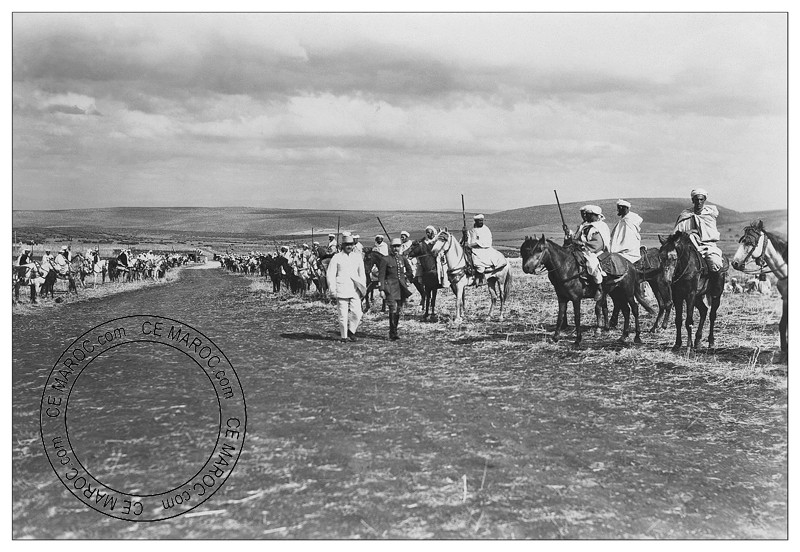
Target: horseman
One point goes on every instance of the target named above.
(625, 237)
(595, 238)
(700, 223)
(479, 241)
(429, 240)
(332, 246)
(63, 260)
(405, 242)
(47, 262)
(358, 247)
(24, 262)
(306, 251)
(123, 259)
(381, 245)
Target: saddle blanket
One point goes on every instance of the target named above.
(488, 258)
(613, 264)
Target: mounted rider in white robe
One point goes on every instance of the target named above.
(701, 225)
(484, 256)
(625, 237)
(595, 236)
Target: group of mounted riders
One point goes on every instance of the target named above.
(595, 262)
(73, 268)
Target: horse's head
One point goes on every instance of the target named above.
(672, 248)
(752, 245)
(442, 238)
(532, 252)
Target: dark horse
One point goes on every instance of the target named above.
(276, 266)
(428, 284)
(564, 270)
(648, 268)
(691, 281)
(372, 258)
(765, 248)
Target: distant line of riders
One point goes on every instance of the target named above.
(73, 268)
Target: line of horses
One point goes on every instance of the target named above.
(677, 274)
(42, 282)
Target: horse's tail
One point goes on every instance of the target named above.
(640, 298)
(507, 284)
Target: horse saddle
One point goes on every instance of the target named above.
(613, 264)
(648, 260)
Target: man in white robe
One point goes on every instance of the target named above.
(700, 223)
(625, 237)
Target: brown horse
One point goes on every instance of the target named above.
(648, 268)
(564, 270)
(691, 282)
(428, 284)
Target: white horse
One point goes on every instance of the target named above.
(497, 277)
(763, 248)
(95, 267)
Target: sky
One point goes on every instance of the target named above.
(397, 110)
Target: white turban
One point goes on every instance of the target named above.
(699, 191)
(430, 227)
(478, 217)
(623, 203)
(593, 209)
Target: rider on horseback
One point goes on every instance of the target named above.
(594, 236)
(700, 223)
(478, 241)
(625, 237)
(24, 261)
(63, 259)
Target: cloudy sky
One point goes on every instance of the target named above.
(397, 111)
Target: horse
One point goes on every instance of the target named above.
(685, 268)
(94, 267)
(372, 258)
(564, 270)
(26, 275)
(648, 268)
(428, 283)
(498, 279)
(765, 248)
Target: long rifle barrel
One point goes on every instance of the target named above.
(560, 212)
(388, 237)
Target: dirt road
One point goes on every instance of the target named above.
(439, 435)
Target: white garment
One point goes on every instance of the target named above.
(345, 274)
(625, 237)
(382, 248)
(590, 235)
(480, 240)
(349, 314)
(705, 223)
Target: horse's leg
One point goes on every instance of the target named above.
(614, 316)
(576, 307)
(634, 306)
(33, 293)
(624, 306)
(562, 314)
(784, 324)
(712, 318)
(689, 320)
(678, 324)
(600, 307)
(666, 296)
(491, 286)
(701, 306)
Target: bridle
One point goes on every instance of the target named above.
(677, 278)
(758, 259)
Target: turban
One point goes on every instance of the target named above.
(593, 209)
(699, 191)
(478, 217)
(623, 203)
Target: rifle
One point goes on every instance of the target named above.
(338, 225)
(464, 218)
(384, 230)
(563, 224)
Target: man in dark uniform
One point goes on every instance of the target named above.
(393, 277)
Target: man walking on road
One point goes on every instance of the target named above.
(348, 284)
(393, 276)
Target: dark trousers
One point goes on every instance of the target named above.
(395, 310)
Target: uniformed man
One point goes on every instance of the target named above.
(381, 246)
(393, 282)
(700, 223)
(625, 237)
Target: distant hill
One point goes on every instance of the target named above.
(659, 215)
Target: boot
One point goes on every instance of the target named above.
(393, 322)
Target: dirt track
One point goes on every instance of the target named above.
(445, 434)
